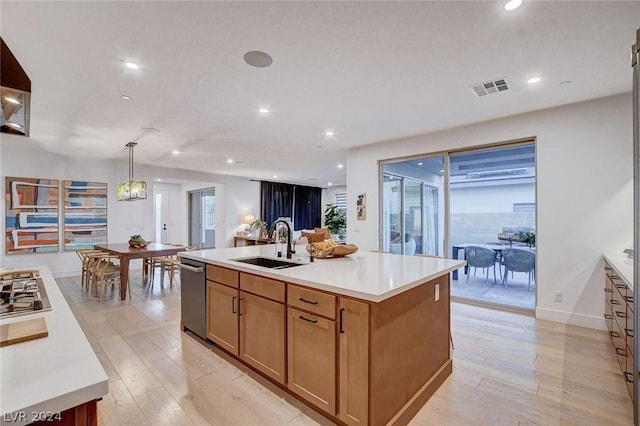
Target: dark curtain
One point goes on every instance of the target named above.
(307, 208)
(276, 200)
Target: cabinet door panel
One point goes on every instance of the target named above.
(222, 319)
(262, 335)
(312, 359)
(353, 361)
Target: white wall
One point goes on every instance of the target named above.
(584, 193)
(233, 195)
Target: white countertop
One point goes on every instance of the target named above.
(623, 266)
(53, 373)
(364, 275)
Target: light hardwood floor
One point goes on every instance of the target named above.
(508, 369)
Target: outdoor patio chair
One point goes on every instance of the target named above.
(518, 260)
(480, 257)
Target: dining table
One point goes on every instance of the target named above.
(125, 253)
(497, 247)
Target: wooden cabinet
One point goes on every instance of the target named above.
(619, 319)
(353, 361)
(246, 317)
(312, 358)
(222, 316)
(262, 335)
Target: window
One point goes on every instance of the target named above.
(341, 201)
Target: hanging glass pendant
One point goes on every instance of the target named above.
(131, 190)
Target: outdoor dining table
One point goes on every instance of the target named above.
(456, 248)
(126, 253)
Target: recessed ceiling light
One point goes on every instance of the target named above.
(258, 59)
(15, 125)
(125, 97)
(513, 4)
(131, 65)
(533, 80)
(420, 164)
(340, 166)
(329, 184)
(230, 161)
(12, 100)
(263, 110)
(329, 133)
(158, 180)
(275, 176)
(175, 152)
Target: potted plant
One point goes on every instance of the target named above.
(527, 237)
(256, 226)
(136, 241)
(335, 220)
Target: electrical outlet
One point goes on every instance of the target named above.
(437, 292)
(557, 296)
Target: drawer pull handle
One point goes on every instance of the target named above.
(239, 306)
(307, 319)
(614, 302)
(628, 299)
(628, 377)
(608, 290)
(311, 302)
(614, 334)
(629, 332)
(233, 304)
(608, 316)
(620, 285)
(621, 352)
(621, 314)
(341, 312)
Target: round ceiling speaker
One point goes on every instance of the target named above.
(258, 59)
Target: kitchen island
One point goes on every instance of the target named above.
(53, 378)
(364, 338)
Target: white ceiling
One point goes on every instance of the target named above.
(370, 71)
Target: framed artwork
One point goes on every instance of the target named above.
(85, 214)
(361, 207)
(31, 215)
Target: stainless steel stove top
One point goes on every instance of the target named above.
(21, 293)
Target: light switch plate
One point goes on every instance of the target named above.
(437, 292)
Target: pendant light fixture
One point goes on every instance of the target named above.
(132, 190)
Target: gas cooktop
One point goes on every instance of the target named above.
(21, 293)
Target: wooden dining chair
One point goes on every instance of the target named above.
(171, 264)
(85, 258)
(104, 271)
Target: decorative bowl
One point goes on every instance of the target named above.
(339, 250)
(137, 244)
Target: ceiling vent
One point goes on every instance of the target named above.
(494, 86)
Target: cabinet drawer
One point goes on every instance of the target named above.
(265, 287)
(222, 275)
(312, 301)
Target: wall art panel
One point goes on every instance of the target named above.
(31, 220)
(85, 214)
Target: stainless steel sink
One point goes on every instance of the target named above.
(267, 262)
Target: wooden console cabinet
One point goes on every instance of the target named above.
(619, 318)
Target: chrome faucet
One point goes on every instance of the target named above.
(271, 234)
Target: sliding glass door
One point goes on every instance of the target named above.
(202, 214)
(413, 207)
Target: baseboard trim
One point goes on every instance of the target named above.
(571, 318)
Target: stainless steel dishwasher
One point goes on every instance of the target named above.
(193, 296)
